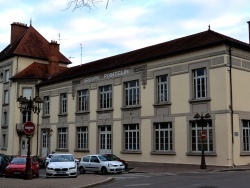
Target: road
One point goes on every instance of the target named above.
(231, 179)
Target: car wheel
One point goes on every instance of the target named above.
(104, 170)
(1, 172)
(82, 170)
(37, 175)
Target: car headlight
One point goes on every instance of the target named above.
(49, 168)
(71, 168)
(110, 165)
(7, 167)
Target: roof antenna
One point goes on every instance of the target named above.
(209, 27)
(30, 21)
(81, 53)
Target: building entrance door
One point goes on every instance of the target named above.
(45, 144)
(24, 145)
(105, 140)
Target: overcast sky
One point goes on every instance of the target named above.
(87, 35)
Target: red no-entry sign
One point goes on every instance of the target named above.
(29, 127)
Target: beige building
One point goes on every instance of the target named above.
(139, 105)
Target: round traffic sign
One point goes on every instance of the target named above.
(204, 135)
(29, 127)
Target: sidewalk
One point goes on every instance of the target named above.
(90, 180)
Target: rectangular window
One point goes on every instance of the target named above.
(132, 138)
(132, 93)
(6, 96)
(4, 144)
(4, 119)
(163, 137)
(106, 96)
(62, 138)
(82, 138)
(7, 76)
(83, 100)
(63, 99)
(246, 135)
(200, 83)
(196, 142)
(27, 93)
(46, 109)
(162, 88)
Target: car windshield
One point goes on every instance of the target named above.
(18, 161)
(62, 158)
(102, 158)
(111, 157)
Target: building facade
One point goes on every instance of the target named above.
(141, 105)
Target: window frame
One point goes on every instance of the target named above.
(243, 136)
(83, 100)
(46, 108)
(62, 138)
(84, 134)
(130, 91)
(6, 76)
(200, 83)
(63, 103)
(105, 97)
(6, 96)
(209, 142)
(128, 145)
(159, 128)
(165, 85)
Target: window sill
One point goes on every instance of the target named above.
(245, 153)
(130, 107)
(131, 152)
(46, 116)
(199, 154)
(5, 104)
(163, 153)
(4, 126)
(5, 149)
(62, 115)
(200, 100)
(162, 104)
(83, 112)
(81, 150)
(62, 150)
(105, 110)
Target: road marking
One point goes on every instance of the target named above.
(137, 185)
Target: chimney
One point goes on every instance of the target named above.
(249, 30)
(17, 29)
(53, 57)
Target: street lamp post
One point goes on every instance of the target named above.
(201, 120)
(28, 106)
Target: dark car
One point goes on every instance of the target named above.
(112, 157)
(4, 161)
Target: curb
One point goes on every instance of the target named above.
(97, 183)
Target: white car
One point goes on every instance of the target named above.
(98, 163)
(62, 165)
(47, 160)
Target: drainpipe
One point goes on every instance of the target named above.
(231, 103)
(249, 30)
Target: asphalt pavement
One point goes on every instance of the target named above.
(90, 180)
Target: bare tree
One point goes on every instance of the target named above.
(85, 3)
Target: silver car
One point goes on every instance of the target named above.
(62, 165)
(98, 163)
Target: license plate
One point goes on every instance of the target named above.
(16, 172)
(60, 172)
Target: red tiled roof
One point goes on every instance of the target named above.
(189, 43)
(31, 44)
(35, 71)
